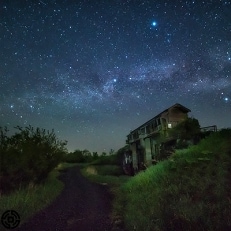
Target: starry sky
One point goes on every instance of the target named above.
(95, 69)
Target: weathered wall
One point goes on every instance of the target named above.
(134, 155)
(148, 153)
(176, 115)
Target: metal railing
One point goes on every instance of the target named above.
(212, 128)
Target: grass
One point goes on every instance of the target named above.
(106, 160)
(190, 191)
(112, 176)
(28, 201)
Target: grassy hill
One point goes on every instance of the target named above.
(189, 191)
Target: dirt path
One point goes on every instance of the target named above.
(82, 206)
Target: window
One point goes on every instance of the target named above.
(169, 125)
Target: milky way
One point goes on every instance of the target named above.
(94, 70)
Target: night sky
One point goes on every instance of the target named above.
(94, 70)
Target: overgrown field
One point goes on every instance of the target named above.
(189, 191)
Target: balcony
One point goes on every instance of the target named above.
(154, 130)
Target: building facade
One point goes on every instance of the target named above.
(144, 142)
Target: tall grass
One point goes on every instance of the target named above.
(111, 170)
(28, 201)
(190, 191)
(107, 160)
(105, 174)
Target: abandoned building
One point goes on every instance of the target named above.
(144, 143)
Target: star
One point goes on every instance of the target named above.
(154, 24)
(76, 68)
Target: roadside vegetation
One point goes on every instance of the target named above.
(29, 169)
(107, 170)
(27, 157)
(189, 191)
(31, 161)
(28, 200)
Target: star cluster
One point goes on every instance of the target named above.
(94, 70)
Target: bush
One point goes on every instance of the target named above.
(190, 191)
(115, 159)
(186, 130)
(75, 157)
(106, 160)
(28, 156)
(79, 156)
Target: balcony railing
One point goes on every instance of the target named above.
(145, 132)
(209, 129)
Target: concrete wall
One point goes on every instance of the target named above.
(134, 155)
(153, 146)
(148, 153)
(176, 115)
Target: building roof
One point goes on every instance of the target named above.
(176, 105)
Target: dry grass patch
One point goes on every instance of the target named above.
(91, 170)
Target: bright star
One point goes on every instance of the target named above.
(226, 99)
(154, 23)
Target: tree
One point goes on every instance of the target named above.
(103, 154)
(111, 152)
(187, 130)
(28, 156)
(87, 155)
(86, 152)
(75, 157)
(95, 155)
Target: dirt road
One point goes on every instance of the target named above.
(82, 206)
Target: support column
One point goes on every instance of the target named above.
(134, 155)
(148, 153)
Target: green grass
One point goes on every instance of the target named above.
(112, 176)
(66, 165)
(111, 170)
(105, 174)
(28, 201)
(106, 160)
(190, 191)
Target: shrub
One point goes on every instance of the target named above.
(75, 157)
(106, 160)
(28, 156)
(79, 156)
(112, 159)
(186, 130)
